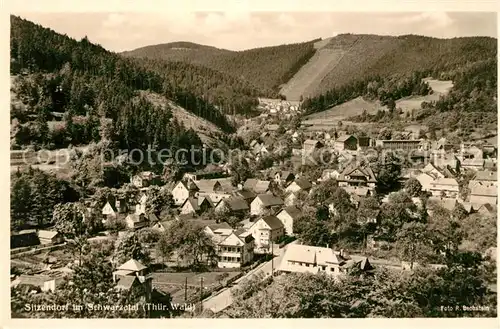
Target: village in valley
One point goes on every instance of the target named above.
(294, 206)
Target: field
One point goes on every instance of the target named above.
(332, 116)
(440, 88)
(55, 161)
(307, 79)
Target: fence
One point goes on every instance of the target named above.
(36, 250)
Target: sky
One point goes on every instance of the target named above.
(239, 30)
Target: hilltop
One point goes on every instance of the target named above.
(265, 68)
(178, 51)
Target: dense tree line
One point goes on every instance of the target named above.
(420, 293)
(96, 78)
(34, 194)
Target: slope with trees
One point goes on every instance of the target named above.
(266, 68)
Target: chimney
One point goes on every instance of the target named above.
(342, 253)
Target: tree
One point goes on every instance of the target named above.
(413, 187)
(191, 243)
(164, 248)
(129, 247)
(68, 219)
(388, 171)
(158, 200)
(413, 242)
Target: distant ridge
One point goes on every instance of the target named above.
(314, 67)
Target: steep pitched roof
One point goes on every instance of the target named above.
(246, 194)
(303, 183)
(206, 185)
(193, 202)
(273, 222)
(132, 265)
(364, 170)
(219, 226)
(293, 211)
(236, 204)
(269, 200)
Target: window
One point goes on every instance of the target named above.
(324, 268)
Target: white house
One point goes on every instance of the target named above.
(287, 216)
(235, 250)
(445, 186)
(181, 192)
(310, 259)
(135, 221)
(265, 202)
(265, 231)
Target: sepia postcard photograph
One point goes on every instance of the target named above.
(252, 164)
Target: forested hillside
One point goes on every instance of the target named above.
(373, 55)
(469, 62)
(265, 68)
(88, 85)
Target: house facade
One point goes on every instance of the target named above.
(300, 184)
(181, 192)
(50, 237)
(235, 250)
(311, 259)
(346, 143)
(287, 216)
(357, 176)
(265, 202)
(265, 231)
(447, 187)
(136, 221)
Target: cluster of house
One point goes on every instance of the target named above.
(129, 275)
(275, 107)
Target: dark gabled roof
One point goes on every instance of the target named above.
(273, 222)
(270, 200)
(246, 194)
(344, 138)
(303, 183)
(293, 211)
(236, 204)
(256, 185)
(152, 217)
(193, 202)
(222, 225)
(365, 170)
